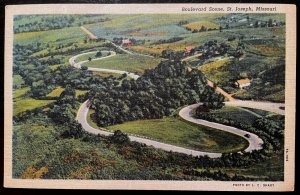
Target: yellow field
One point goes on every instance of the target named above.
(267, 50)
(56, 92)
(159, 48)
(213, 65)
(197, 25)
(80, 92)
(211, 70)
(28, 35)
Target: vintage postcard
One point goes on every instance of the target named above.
(150, 96)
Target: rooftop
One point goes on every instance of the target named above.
(243, 81)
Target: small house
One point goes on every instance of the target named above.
(188, 50)
(242, 83)
(126, 42)
(189, 69)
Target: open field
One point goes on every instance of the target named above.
(130, 63)
(217, 71)
(80, 92)
(151, 20)
(20, 92)
(22, 105)
(56, 92)
(198, 25)
(71, 34)
(175, 131)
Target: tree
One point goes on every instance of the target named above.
(62, 114)
(90, 59)
(73, 130)
(221, 29)
(98, 54)
(270, 23)
(84, 68)
(119, 137)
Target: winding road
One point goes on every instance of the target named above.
(73, 62)
(255, 143)
(82, 119)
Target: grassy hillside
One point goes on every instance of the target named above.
(130, 63)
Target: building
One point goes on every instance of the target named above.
(242, 83)
(189, 69)
(188, 50)
(126, 42)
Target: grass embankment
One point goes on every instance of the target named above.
(130, 63)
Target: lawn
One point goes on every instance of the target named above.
(178, 132)
(130, 63)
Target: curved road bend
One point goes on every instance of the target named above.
(255, 143)
(81, 118)
(267, 106)
(73, 62)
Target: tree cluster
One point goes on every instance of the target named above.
(159, 92)
(32, 24)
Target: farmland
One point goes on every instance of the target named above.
(66, 35)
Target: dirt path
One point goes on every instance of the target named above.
(89, 33)
(220, 90)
